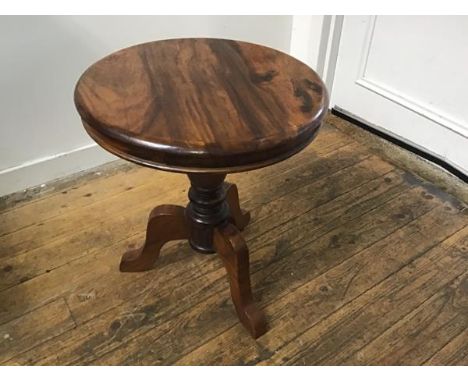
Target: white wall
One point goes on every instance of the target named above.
(41, 136)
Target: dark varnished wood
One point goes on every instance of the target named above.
(205, 107)
(206, 223)
(207, 209)
(230, 245)
(169, 222)
(238, 216)
(193, 105)
(166, 223)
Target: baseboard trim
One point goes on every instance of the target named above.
(43, 170)
(405, 145)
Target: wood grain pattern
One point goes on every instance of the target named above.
(48, 240)
(349, 256)
(166, 223)
(204, 107)
(32, 329)
(419, 334)
(237, 215)
(195, 104)
(317, 280)
(235, 255)
(453, 353)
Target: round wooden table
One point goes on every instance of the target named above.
(206, 108)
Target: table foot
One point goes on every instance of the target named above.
(166, 223)
(211, 222)
(230, 245)
(238, 216)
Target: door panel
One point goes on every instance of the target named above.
(407, 76)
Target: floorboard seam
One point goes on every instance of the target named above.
(292, 291)
(363, 249)
(377, 284)
(98, 224)
(55, 192)
(444, 346)
(405, 316)
(258, 270)
(254, 237)
(403, 190)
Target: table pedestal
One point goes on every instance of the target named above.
(211, 223)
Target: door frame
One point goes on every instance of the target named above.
(315, 40)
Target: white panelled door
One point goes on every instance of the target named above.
(408, 76)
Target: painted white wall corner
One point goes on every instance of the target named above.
(43, 170)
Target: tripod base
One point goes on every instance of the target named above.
(211, 222)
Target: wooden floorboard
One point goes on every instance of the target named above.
(455, 352)
(354, 260)
(126, 214)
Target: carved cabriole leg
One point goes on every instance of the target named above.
(238, 216)
(230, 245)
(166, 223)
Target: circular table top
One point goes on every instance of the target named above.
(201, 105)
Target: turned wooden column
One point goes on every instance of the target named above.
(207, 209)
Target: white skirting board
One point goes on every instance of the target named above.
(46, 169)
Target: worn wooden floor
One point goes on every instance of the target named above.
(354, 261)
